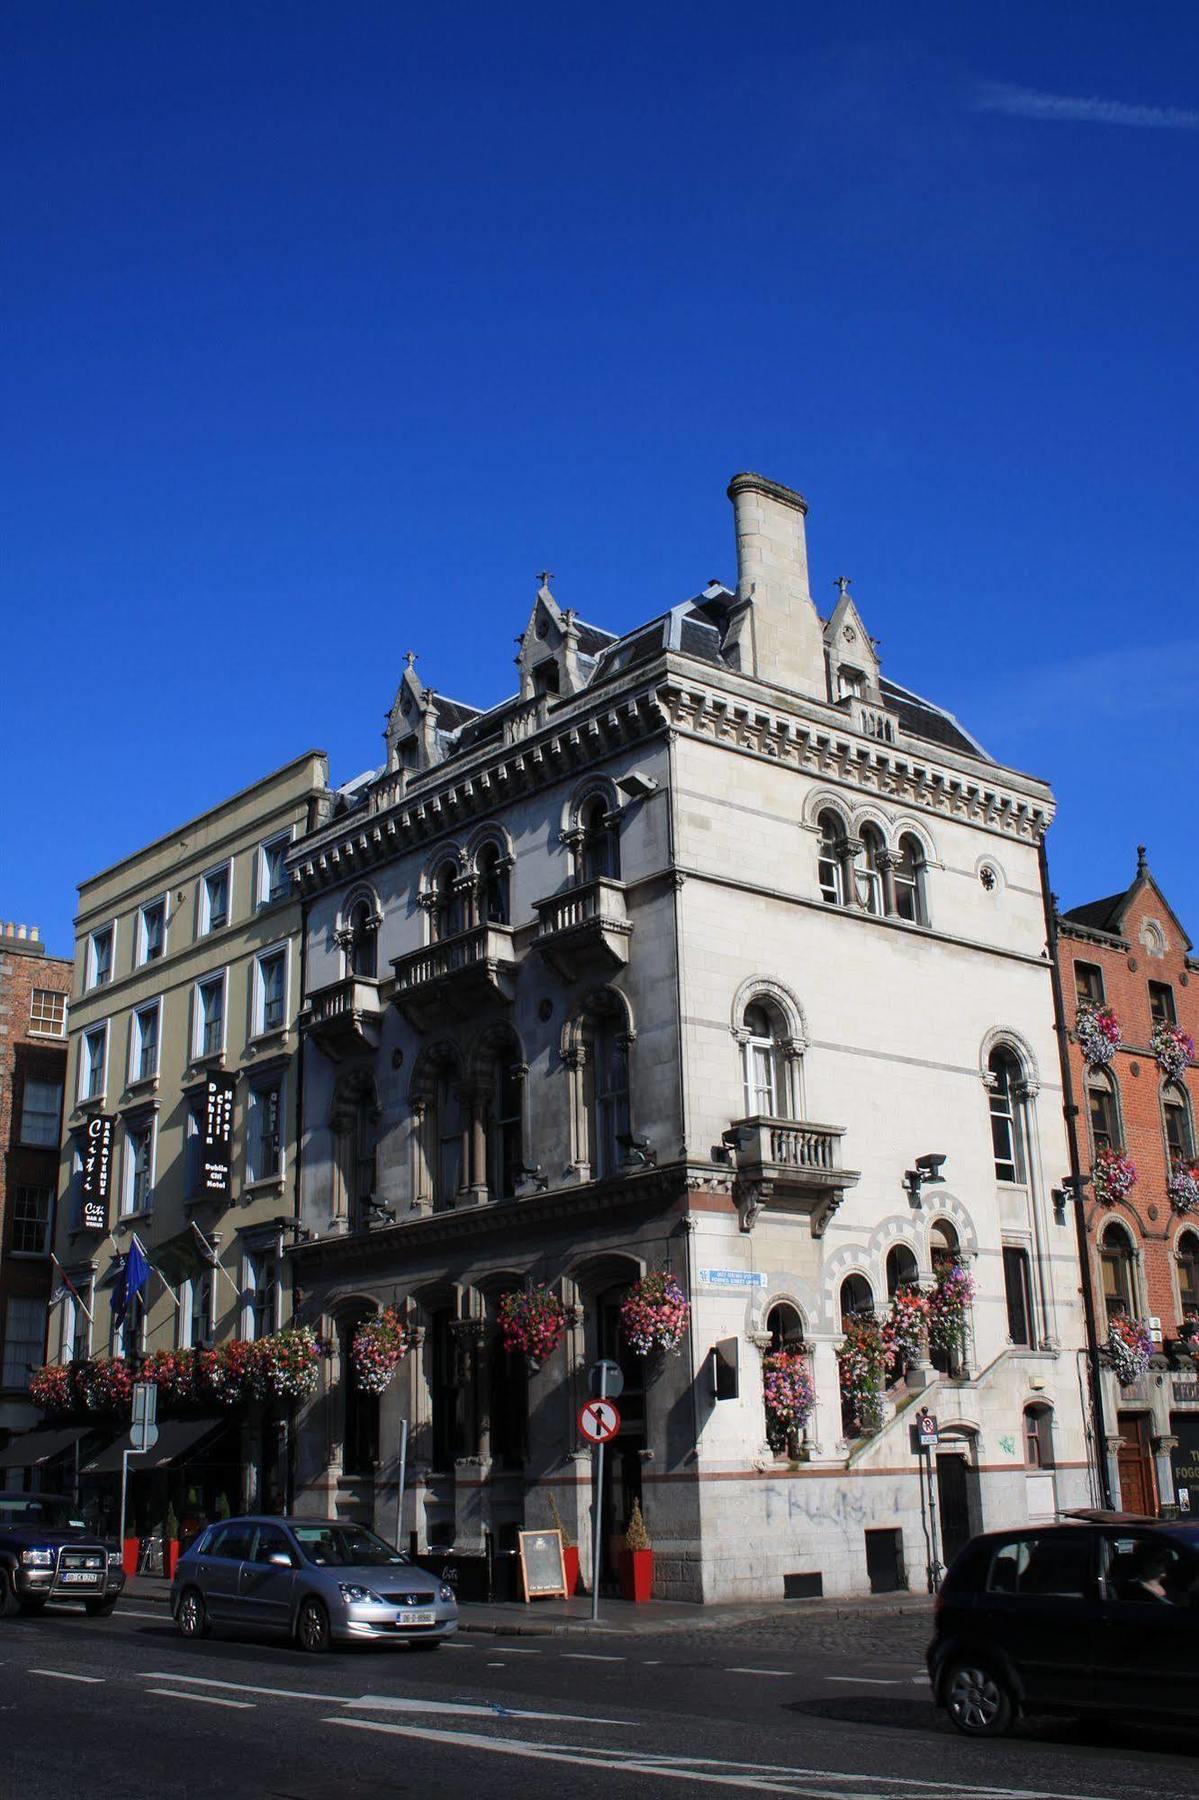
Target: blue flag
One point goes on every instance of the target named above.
(130, 1282)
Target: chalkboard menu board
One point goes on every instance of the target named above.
(542, 1569)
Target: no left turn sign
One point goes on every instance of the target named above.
(599, 1421)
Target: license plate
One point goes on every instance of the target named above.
(81, 1575)
(416, 1618)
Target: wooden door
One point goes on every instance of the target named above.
(1134, 1467)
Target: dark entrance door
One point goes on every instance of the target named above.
(1185, 1461)
(360, 1444)
(953, 1502)
(1134, 1466)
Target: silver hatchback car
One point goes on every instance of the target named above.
(319, 1581)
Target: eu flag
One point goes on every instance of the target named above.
(130, 1282)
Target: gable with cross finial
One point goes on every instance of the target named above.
(850, 651)
(548, 654)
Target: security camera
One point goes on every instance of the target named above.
(930, 1167)
(637, 785)
(629, 1141)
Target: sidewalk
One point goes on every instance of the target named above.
(553, 1618)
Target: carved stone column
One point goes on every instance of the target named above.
(885, 861)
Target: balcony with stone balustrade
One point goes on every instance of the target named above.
(789, 1166)
(585, 929)
(346, 1016)
(464, 974)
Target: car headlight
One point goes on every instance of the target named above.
(115, 1559)
(447, 1592)
(38, 1559)
(350, 1590)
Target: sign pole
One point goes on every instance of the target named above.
(934, 1570)
(598, 1512)
(400, 1488)
(124, 1490)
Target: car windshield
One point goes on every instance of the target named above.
(346, 1547)
(39, 1509)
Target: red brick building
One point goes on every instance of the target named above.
(34, 990)
(1131, 994)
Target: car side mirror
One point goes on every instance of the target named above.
(279, 1559)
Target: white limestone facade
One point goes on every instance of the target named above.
(686, 958)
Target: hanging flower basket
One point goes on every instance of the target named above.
(654, 1314)
(949, 1308)
(173, 1373)
(862, 1369)
(532, 1321)
(51, 1389)
(1173, 1048)
(1128, 1349)
(377, 1349)
(789, 1396)
(1114, 1175)
(1098, 1032)
(286, 1365)
(1183, 1187)
(905, 1328)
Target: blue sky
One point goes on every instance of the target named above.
(328, 326)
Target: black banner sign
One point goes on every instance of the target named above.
(217, 1162)
(97, 1172)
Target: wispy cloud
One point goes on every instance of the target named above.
(1030, 103)
(1118, 688)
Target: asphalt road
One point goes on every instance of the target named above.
(123, 1707)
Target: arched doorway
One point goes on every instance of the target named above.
(360, 1409)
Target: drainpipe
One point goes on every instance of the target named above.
(1070, 1110)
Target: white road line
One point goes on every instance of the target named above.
(486, 1710)
(583, 1656)
(203, 1699)
(811, 1784)
(495, 1665)
(868, 1680)
(160, 1618)
(515, 1652)
(61, 1675)
(238, 1687)
(736, 1671)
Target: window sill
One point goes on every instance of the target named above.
(89, 1104)
(268, 1040)
(128, 1220)
(213, 1059)
(267, 1184)
(51, 1037)
(28, 1256)
(145, 1084)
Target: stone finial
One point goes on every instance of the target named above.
(843, 583)
(1142, 865)
(410, 659)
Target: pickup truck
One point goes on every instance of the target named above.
(48, 1553)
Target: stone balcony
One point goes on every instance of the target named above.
(789, 1166)
(461, 974)
(346, 1015)
(586, 929)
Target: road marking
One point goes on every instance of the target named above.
(203, 1699)
(486, 1710)
(652, 1662)
(160, 1618)
(61, 1675)
(810, 1784)
(515, 1652)
(238, 1687)
(495, 1665)
(736, 1671)
(583, 1656)
(869, 1680)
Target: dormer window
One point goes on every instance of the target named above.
(851, 682)
(546, 677)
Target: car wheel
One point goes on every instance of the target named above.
(312, 1627)
(192, 1617)
(9, 1604)
(98, 1609)
(978, 1700)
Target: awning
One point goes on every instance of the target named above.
(177, 1438)
(33, 1448)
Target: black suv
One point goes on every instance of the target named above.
(1099, 1616)
(48, 1553)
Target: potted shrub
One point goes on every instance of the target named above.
(570, 1549)
(170, 1542)
(637, 1561)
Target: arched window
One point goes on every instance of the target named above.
(909, 881)
(353, 1119)
(361, 952)
(765, 1064)
(857, 1299)
(1116, 1264)
(492, 868)
(1006, 1136)
(1104, 1109)
(831, 865)
(869, 876)
(1188, 1274)
(1176, 1112)
(1038, 1436)
(600, 848)
(785, 1327)
(943, 1247)
(605, 1091)
(901, 1269)
(445, 913)
(505, 1144)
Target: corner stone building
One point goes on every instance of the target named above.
(681, 958)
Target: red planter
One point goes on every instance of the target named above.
(570, 1562)
(129, 1549)
(637, 1575)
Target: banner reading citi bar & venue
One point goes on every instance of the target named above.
(97, 1172)
(218, 1133)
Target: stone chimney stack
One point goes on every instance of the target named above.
(786, 637)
